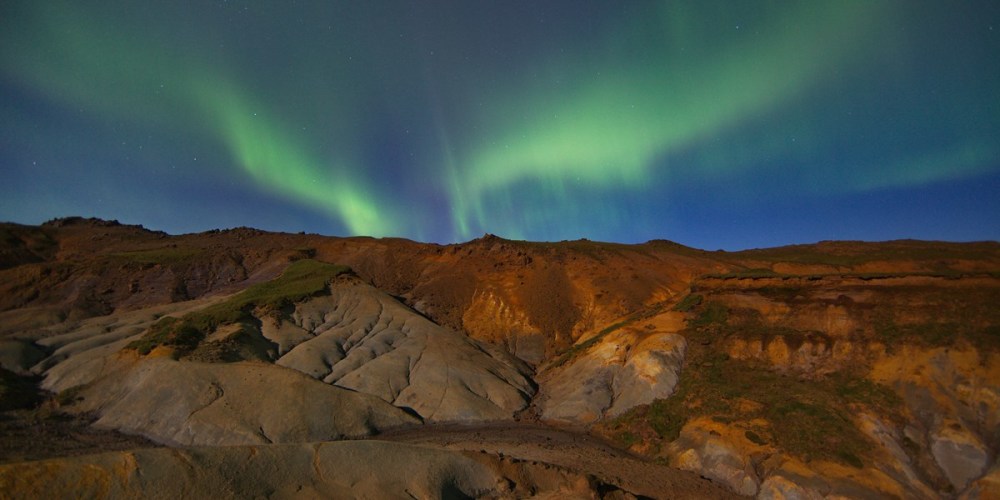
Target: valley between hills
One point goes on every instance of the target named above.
(242, 363)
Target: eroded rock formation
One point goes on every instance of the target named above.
(840, 368)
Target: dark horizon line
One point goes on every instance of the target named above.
(98, 221)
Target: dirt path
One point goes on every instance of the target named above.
(27, 435)
(565, 448)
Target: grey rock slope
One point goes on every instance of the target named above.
(190, 403)
(362, 339)
(345, 364)
(80, 352)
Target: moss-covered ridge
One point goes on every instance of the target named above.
(301, 280)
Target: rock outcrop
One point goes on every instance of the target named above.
(926, 341)
(362, 339)
(724, 454)
(623, 369)
(718, 453)
(955, 403)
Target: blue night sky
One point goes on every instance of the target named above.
(714, 124)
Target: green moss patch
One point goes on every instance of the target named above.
(302, 279)
(713, 314)
(165, 255)
(689, 302)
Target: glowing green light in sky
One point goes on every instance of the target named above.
(274, 160)
(542, 120)
(609, 129)
(193, 97)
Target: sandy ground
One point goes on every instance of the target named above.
(568, 449)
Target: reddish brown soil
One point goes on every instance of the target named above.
(76, 268)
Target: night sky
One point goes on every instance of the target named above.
(727, 125)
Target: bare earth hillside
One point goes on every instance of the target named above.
(134, 361)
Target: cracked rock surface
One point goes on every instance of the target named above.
(186, 403)
(362, 339)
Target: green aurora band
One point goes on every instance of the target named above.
(611, 128)
(614, 128)
(661, 96)
(100, 61)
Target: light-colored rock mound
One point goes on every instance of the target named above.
(622, 370)
(362, 339)
(707, 449)
(79, 350)
(192, 403)
(357, 338)
(349, 469)
(960, 454)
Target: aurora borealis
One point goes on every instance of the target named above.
(714, 124)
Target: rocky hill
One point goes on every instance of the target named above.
(840, 368)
